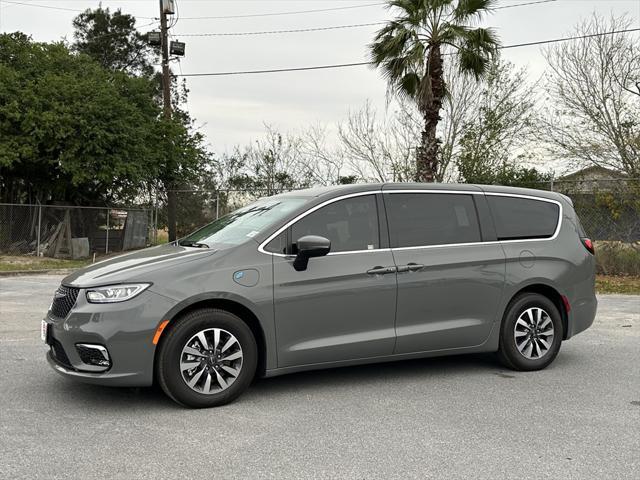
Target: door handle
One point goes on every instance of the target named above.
(414, 267)
(381, 270)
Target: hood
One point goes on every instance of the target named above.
(134, 265)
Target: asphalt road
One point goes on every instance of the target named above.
(458, 417)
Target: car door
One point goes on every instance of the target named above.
(342, 306)
(449, 281)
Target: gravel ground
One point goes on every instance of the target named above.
(457, 417)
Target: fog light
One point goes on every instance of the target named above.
(96, 355)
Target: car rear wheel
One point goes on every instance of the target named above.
(531, 333)
(208, 359)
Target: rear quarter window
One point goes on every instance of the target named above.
(522, 218)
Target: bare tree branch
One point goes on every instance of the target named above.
(591, 83)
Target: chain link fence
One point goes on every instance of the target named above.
(608, 209)
(197, 208)
(71, 231)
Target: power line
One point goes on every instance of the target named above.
(51, 7)
(536, 2)
(275, 70)
(267, 32)
(174, 18)
(336, 8)
(319, 29)
(154, 21)
(297, 12)
(274, 14)
(42, 6)
(356, 64)
(579, 37)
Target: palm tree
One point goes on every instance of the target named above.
(409, 50)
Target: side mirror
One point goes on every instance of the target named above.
(310, 246)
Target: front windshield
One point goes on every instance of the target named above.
(243, 224)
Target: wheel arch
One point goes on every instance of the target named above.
(231, 305)
(549, 292)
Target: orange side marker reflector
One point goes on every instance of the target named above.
(156, 337)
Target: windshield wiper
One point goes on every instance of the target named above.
(193, 244)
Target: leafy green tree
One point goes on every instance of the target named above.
(113, 41)
(409, 50)
(510, 175)
(73, 131)
(70, 130)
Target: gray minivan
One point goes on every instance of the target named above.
(330, 277)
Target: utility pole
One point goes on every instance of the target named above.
(166, 96)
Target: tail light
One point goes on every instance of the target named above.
(588, 244)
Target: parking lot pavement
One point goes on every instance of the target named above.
(457, 417)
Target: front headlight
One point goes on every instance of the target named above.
(115, 293)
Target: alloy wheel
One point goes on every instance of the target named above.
(211, 361)
(533, 333)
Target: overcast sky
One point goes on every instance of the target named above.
(232, 110)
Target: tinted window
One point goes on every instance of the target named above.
(517, 218)
(278, 244)
(350, 224)
(417, 219)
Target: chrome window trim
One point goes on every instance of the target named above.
(461, 192)
(308, 212)
(419, 247)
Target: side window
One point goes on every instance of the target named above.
(278, 244)
(350, 224)
(419, 219)
(519, 218)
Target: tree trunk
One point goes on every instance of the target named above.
(427, 152)
(172, 213)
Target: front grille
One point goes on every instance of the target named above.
(58, 353)
(63, 301)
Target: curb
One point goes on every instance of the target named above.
(55, 271)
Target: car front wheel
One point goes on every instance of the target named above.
(208, 359)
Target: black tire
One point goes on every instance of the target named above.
(168, 365)
(508, 352)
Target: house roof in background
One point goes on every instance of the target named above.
(594, 172)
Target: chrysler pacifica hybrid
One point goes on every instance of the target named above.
(331, 277)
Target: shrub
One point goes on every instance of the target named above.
(618, 258)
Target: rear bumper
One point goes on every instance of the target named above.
(125, 329)
(582, 315)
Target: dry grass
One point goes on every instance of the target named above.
(163, 237)
(613, 284)
(618, 258)
(11, 263)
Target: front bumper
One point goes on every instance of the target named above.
(125, 329)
